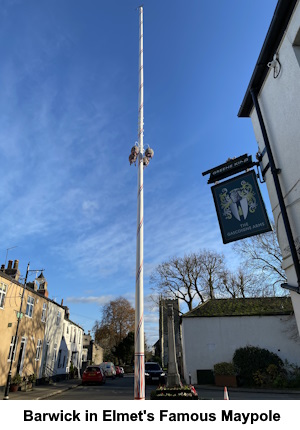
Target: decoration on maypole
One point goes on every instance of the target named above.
(138, 156)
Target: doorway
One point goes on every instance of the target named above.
(21, 356)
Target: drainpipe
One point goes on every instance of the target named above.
(282, 206)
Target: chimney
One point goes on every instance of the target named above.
(62, 302)
(2, 268)
(67, 312)
(44, 292)
(14, 272)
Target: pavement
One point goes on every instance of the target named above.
(40, 392)
(44, 391)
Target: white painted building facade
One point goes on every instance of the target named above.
(277, 88)
(55, 315)
(73, 343)
(211, 337)
(62, 343)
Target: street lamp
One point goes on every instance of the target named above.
(19, 315)
(138, 155)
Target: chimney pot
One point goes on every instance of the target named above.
(16, 264)
(9, 264)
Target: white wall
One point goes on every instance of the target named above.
(279, 103)
(53, 335)
(207, 341)
(73, 347)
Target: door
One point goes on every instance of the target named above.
(21, 355)
(45, 364)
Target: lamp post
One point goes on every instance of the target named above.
(6, 396)
(138, 155)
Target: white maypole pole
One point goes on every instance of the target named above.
(137, 155)
(139, 366)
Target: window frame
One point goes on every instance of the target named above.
(44, 313)
(11, 347)
(29, 307)
(54, 356)
(3, 291)
(58, 317)
(38, 350)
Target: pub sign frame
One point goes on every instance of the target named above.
(240, 208)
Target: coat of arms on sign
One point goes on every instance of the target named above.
(238, 201)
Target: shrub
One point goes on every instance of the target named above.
(250, 360)
(224, 368)
(16, 380)
(32, 378)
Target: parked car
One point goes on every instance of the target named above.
(119, 371)
(154, 373)
(93, 374)
(109, 369)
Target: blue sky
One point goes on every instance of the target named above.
(68, 119)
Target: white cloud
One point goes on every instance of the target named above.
(99, 300)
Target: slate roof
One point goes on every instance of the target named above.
(258, 306)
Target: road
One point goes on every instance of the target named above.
(122, 389)
(113, 389)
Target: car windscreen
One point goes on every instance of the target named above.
(152, 366)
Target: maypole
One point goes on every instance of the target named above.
(137, 155)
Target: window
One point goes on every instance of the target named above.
(44, 311)
(59, 358)
(58, 317)
(11, 352)
(54, 352)
(74, 335)
(29, 307)
(3, 290)
(38, 349)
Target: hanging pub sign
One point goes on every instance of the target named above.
(240, 208)
(231, 167)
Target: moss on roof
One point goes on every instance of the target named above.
(257, 306)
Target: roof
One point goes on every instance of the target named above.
(257, 306)
(279, 23)
(28, 288)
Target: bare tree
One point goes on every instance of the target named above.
(242, 283)
(261, 254)
(213, 269)
(193, 278)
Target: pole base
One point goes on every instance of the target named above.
(173, 380)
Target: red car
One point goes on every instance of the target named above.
(93, 374)
(119, 371)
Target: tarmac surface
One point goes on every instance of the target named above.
(41, 392)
